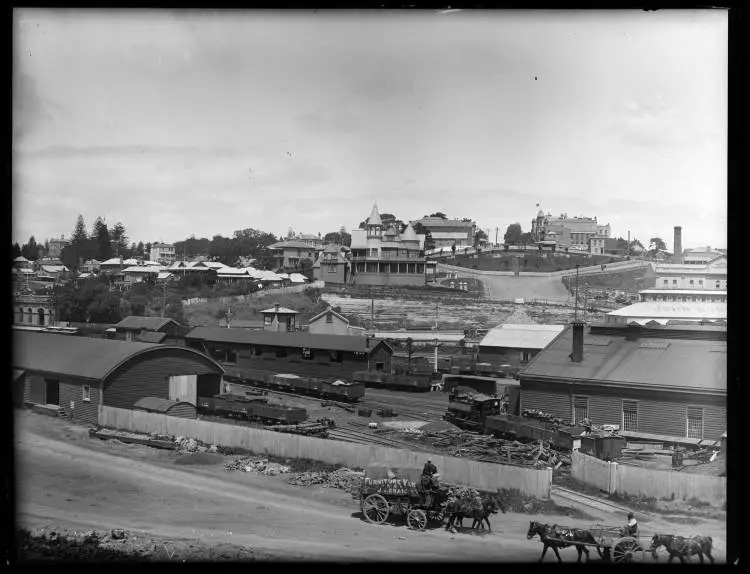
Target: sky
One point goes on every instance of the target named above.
(180, 123)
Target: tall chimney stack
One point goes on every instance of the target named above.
(677, 257)
(577, 355)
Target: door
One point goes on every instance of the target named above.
(52, 392)
(184, 388)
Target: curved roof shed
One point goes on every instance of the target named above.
(81, 373)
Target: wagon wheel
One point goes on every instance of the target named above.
(627, 550)
(375, 508)
(417, 519)
(436, 515)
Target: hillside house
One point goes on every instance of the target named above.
(329, 322)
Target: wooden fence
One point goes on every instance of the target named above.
(481, 475)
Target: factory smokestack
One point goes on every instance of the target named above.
(677, 257)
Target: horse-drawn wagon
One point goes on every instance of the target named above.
(387, 490)
(612, 543)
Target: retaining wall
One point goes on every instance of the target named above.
(481, 475)
(633, 480)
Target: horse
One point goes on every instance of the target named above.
(545, 532)
(681, 547)
(457, 510)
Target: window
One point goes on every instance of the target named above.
(666, 282)
(674, 281)
(525, 356)
(695, 422)
(329, 317)
(692, 282)
(86, 391)
(700, 282)
(630, 416)
(718, 285)
(379, 366)
(307, 354)
(580, 409)
(332, 268)
(231, 356)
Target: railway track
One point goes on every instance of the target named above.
(349, 434)
(588, 500)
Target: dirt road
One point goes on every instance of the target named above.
(67, 480)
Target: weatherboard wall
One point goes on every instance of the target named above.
(659, 411)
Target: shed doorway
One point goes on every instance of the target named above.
(52, 392)
(184, 388)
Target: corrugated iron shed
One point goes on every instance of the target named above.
(81, 357)
(659, 363)
(514, 336)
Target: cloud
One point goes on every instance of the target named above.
(329, 121)
(649, 123)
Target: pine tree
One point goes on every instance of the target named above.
(100, 236)
(79, 233)
(16, 252)
(119, 239)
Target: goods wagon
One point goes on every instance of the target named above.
(255, 409)
(292, 383)
(416, 382)
(484, 385)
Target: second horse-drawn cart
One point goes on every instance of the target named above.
(388, 490)
(612, 543)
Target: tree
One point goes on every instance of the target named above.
(79, 233)
(338, 238)
(439, 214)
(16, 251)
(420, 229)
(139, 249)
(30, 250)
(479, 236)
(119, 240)
(526, 238)
(100, 235)
(656, 244)
(512, 234)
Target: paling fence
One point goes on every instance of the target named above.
(480, 475)
(276, 291)
(613, 477)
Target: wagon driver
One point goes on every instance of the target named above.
(632, 528)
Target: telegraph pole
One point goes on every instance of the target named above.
(164, 298)
(436, 337)
(575, 315)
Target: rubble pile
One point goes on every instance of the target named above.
(257, 465)
(487, 448)
(343, 478)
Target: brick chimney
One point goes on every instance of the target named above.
(577, 354)
(677, 257)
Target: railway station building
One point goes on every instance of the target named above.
(665, 381)
(75, 375)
